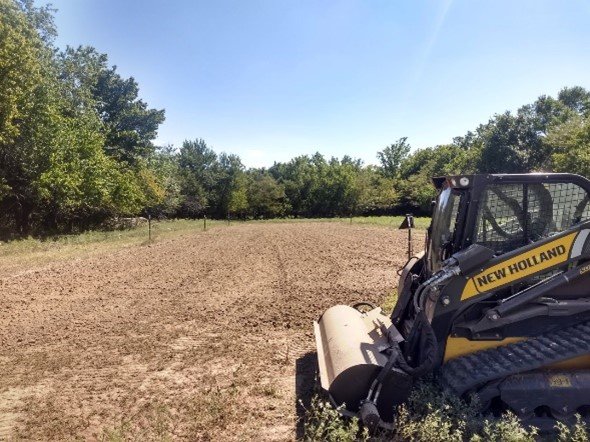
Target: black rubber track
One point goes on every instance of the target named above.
(465, 373)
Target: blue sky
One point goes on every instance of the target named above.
(272, 79)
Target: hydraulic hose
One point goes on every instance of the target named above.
(428, 346)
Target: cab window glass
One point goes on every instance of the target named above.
(443, 227)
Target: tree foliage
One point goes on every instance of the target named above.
(549, 135)
(392, 157)
(77, 147)
(56, 171)
(570, 146)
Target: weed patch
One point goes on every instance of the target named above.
(431, 415)
(324, 423)
(389, 302)
(153, 423)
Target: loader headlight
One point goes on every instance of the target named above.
(464, 181)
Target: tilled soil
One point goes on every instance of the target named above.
(207, 336)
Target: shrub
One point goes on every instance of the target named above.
(577, 433)
(324, 423)
(432, 414)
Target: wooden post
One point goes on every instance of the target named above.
(150, 227)
(205, 223)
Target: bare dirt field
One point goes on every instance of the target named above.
(205, 336)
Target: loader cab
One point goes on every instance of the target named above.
(511, 215)
(503, 212)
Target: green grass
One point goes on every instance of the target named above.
(391, 221)
(389, 302)
(383, 221)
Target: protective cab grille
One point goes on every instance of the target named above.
(513, 215)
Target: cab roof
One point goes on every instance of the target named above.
(469, 180)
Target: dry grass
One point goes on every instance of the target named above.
(22, 253)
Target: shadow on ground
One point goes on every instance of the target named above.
(306, 384)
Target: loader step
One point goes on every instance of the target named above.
(465, 373)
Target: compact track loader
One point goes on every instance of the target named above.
(497, 306)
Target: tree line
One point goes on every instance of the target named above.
(77, 148)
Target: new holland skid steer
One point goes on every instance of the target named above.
(497, 306)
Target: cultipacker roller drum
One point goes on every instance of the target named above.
(351, 354)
